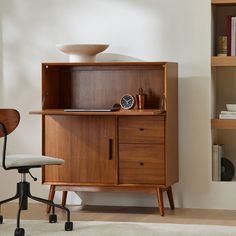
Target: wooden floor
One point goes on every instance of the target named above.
(127, 214)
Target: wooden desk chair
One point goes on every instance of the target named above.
(9, 120)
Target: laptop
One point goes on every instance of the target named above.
(115, 107)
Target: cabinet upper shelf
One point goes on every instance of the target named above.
(223, 61)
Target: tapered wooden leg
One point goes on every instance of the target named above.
(64, 196)
(170, 197)
(160, 200)
(51, 196)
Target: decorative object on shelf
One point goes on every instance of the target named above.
(222, 46)
(230, 113)
(141, 99)
(127, 101)
(231, 107)
(82, 52)
(227, 169)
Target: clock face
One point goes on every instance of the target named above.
(127, 101)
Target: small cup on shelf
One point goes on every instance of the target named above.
(141, 97)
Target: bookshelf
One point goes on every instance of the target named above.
(223, 81)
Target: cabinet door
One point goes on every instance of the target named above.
(88, 146)
(57, 143)
(94, 149)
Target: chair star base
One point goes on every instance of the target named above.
(23, 193)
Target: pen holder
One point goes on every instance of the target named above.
(140, 101)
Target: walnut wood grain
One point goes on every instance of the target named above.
(64, 197)
(51, 197)
(170, 197)
(82, 85)
(141, 163)
(134, 112)
(92, 159)
(83, 142)
(171, 125)
(57, 144)
(10, 118)
(160, 201)
(140, 129)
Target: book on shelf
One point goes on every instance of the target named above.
(227, 116)
(217, 155)
(231, 35)
(228, 112)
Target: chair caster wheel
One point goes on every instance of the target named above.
(1, 219)
(68, 226)
(19, 232)
(53, 218)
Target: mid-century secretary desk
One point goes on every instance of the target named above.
(125, 150)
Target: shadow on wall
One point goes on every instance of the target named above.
(103, 57)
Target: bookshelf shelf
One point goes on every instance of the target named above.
(223, 124)
(221, 2)
(223, 61)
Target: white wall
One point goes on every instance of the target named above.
(152, 30)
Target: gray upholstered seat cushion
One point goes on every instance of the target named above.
(30, 160)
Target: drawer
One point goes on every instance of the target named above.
(141, 164)
(141, 129)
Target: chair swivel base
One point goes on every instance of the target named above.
(23, 193)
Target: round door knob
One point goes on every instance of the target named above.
(141, 129)
(141, 163)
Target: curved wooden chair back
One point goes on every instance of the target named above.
(10, 118)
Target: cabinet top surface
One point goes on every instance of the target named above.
(105, 63)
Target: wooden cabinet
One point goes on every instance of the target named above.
(223, 80)
(126, 150)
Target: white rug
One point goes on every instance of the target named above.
(98, 228)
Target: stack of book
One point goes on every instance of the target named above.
(231, 35)
(217, 155)
(227, 115)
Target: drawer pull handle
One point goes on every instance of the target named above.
(110, 149)
(141, 129)
(141, 163)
